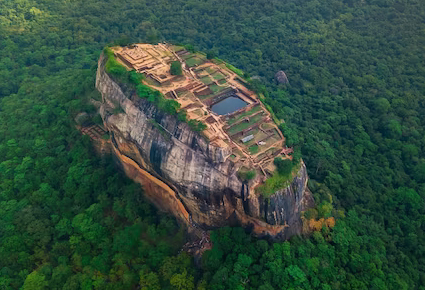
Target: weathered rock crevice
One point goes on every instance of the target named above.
(185, 175)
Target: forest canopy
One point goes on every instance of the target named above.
(354, 107)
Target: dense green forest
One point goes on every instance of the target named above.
(354, 106)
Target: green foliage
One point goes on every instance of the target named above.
(281, 177)
(112, 66)
(354, 107)
(211, 54)
(196, 125)
(246, 174)
(64, 212)
(168, 106)
(235, 70)
(284, 166)
(253, 149)
(135, 77)
(35, 281)
(176, 68)
(273, 184)
(190, 48)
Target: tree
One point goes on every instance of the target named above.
(35, 281)
(211, 54)
(284, 166)
(182, 281)
(176, 68)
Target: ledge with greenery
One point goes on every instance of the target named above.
(171, 107)
(281, 178)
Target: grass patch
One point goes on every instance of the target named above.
(201, 55)
(252, 132)
(246, 174)
(257, 137)
(194, 61)
(187, 56)
(278, 181)
(210, 70)
(266, 126)
(244, 114)
(273, 184)
(152, 82)
(272, 139)
(207, 80)
(253, 149)
(243, 125)
(183, 93)
(218, 76)
(216, 89)
(177, 48)
(235, 70)
(222, 82)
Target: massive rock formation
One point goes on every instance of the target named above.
(185, 175)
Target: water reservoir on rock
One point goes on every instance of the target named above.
(228, 105)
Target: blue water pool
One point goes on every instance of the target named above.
(228, 105)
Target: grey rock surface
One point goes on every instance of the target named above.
(205, 182)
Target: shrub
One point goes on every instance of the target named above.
(112, 66)
(211, 54)
(176, 68)
(189, 47)
(246, 174)
(196, 125)
(135, 77)
(181, 116)
(284, 166)
(235, 70)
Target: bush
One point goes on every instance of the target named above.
(235, 70)
(196, 125)
(135, 77)
(112, 66)
(189, 47)
(246, 174)
(181, 116)
(176, 68)
(290, 135)
(284, 166)
(211, 54)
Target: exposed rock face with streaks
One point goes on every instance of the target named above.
(185, 175)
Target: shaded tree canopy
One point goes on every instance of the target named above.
(176, 68)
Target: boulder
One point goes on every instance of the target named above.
(281, 77)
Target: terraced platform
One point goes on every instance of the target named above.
(211, 92)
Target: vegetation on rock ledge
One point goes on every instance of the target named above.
(354, 107)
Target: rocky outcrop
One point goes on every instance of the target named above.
(185, 175)
(281, 77)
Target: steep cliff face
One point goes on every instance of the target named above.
(185, 175)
